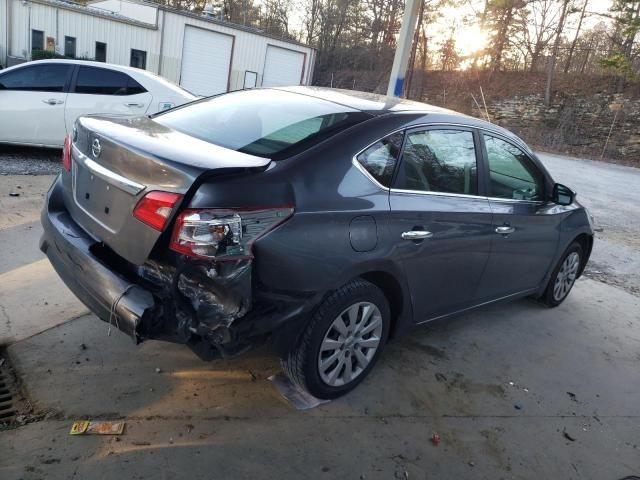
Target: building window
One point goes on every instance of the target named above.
(101, 52)
(70, 47)
(37, 40)
(138, 59)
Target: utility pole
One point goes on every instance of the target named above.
(403, 49)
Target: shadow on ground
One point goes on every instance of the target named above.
(503, 387)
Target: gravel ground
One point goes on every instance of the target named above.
(29, 161)
(612, 195)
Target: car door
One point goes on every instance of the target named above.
(32, 101)
(526, 226)
(440, 220)
(97, 90)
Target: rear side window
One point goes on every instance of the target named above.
(380, 158)
(100, 81)
(512, 173)
(439, 161)
(267, 123)
(36, 78)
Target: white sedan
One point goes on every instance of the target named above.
(40, 101)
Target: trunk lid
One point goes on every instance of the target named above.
(118, 160)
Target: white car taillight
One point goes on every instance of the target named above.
(224, 234)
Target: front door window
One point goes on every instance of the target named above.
(512, 174)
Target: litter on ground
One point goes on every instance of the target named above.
(88, 427)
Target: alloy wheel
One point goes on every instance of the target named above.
(350, 344)
(566, 276)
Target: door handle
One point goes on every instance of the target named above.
(53, 101)
(137, 105)
(505, 230)
(416, 235)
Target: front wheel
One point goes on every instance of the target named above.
(342, 341)
(564, 276)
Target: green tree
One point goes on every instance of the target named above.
(627, 20)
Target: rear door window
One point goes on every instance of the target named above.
(49, 77)
(100, 81)
(439, 161)
(380, 159)
(267, 123)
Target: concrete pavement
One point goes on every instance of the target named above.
(32, 296)
(501, 386)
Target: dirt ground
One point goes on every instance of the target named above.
(612, 195)
(514, 391)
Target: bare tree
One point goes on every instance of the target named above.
(583, 12)
(551, 66)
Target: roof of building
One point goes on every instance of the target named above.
(186, 13)
(78, 7)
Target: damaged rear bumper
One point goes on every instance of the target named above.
(124, 304)
(194, 302)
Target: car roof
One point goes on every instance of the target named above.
(375, 104)
(138, 73)
(372, 103)
(110, 66)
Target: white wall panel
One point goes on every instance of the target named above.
(206, 60)
(282, 67)
(3, 32)
(249, 50)
(57, 19)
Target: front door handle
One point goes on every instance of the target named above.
(416, 235)
(134, 105)
(505, 230)
(53, 101)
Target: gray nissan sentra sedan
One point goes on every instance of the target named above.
(326, 221)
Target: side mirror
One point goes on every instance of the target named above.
(563, 195)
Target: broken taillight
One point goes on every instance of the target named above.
(155, 208)
(224, 234)
(66, 153)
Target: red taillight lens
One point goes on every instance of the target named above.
(224, 234)
(155, 208)
(66, 154)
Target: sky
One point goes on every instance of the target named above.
(469, 38)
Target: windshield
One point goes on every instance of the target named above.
(267, 123)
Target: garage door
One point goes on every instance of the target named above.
(282, 67)
(206, 60)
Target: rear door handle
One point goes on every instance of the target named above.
(53, 101)
(416, 235)
(134, 105)
(505, 230)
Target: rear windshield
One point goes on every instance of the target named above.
(267, 123)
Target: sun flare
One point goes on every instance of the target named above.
(470, 40)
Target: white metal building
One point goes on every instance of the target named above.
(204, 55)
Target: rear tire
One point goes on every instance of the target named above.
(342, 341)
(564, 276)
